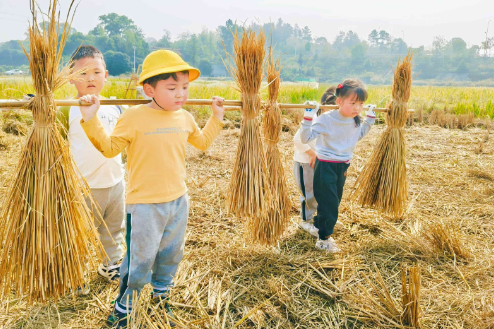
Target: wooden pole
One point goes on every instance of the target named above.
(230, 105)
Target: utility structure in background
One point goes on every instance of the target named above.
(134, 81)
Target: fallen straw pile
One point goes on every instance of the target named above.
(383, 182)
(47, 232)
(222, 280)
(249, 195)
(446, 239)
(278, 217)
(372, 301)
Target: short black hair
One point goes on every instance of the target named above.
(85, 52)
(153, 81)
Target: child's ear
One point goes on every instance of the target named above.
(148, 90)
(338, 101)
(106, 75)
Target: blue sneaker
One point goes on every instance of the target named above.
(117, 319)
(161, 299)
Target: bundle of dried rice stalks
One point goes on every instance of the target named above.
(373, 301)
(47, 232)
(383, 182)
(277, 218)
(446, 239)
(410, 296)
(249, 194)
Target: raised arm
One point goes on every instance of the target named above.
(109, 145)
(368, 121)
(311, 129)
(202, 139)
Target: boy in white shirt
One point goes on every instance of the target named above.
(105, 176)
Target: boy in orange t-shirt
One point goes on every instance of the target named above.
(155, 136)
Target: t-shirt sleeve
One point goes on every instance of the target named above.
(109, 145)
(202, 139)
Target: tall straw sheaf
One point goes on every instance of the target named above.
(249, 195)
(383, 182)
(277, 218)
(47, 233)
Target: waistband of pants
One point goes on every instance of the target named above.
(333, 161)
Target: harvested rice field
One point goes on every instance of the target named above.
(448, 231)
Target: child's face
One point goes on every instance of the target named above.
(350, 107)
(170, 94)
(93, 80)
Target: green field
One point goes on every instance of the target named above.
(456, 100)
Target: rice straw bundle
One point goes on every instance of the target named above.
(446, 238)
(249, 194)
(277, 218)
(47, 229)
(383, 182)
(410, 296)
(373, 302)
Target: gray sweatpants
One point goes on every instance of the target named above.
(304, 176)
(111, 201)
(155, 236)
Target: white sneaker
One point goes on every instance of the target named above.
(82, 291)
(328, 245)
(314, 231)
(306, 225)
(110, 272)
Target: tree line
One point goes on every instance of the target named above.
(303, 56)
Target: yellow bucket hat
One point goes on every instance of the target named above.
(165, 61)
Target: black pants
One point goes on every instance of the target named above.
(329, 179)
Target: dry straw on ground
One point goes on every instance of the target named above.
(47, 232)
(250, 195)
(277, 218)
(222, 282)
(383, 182)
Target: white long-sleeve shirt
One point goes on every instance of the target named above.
(300, 148)
(336, 135)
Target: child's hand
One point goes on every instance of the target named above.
(88, 112)
(309, 113)
(370, 112)
(217, 106)
(312, 156)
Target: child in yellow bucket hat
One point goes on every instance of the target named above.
(155, 135)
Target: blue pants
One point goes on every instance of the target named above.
(155, 236)
(329, 179)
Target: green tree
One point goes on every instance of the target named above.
(165, 41)
(205, 67)
(117, 63)
(373, 38)
(306, 34)
(115, 25)
(226, 35)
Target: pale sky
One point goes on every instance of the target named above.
(417, 21)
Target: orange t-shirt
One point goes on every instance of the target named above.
(155, 142)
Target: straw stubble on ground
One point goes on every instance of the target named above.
(223, 283)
